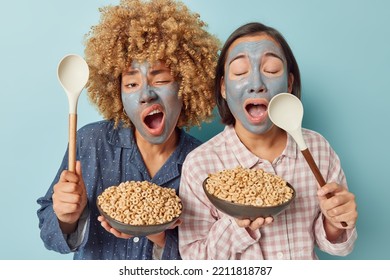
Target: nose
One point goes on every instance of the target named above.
(256, 84)
(147, 95)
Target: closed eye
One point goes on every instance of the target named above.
(163, 82)
(272, 65)
(271, 72)
(240, 73)
(239, 67)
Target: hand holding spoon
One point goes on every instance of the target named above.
(286, 111)
(73, 74)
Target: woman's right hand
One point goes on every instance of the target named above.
(69, 199)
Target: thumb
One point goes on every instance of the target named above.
(79, 173)
(78, 169)
(176, 224)
(327, 190)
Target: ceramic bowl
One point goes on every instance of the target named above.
(241, 211)
(136, 230)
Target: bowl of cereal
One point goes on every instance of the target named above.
(248, 194)
(139, 208)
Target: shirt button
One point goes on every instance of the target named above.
(279, 255)
(135, 239)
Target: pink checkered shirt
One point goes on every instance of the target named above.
(207, 233)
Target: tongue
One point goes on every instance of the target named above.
(256, 110)
(154, 121)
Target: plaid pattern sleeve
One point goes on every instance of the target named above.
(207, 233)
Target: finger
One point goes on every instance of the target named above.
(67, 176)
(349, 218)
(81, 186)
(268, 220)
(115, 232)
(78, 169)
(176, 224)
(179, 222)
(327, 189)
(64, 208)
(71, 198)
(344, 212)
(120, 234)
(243, 223)
(339, 200)
(105, 225)
(337, 206)
(65, 187)
(256, 224)
(109, 229)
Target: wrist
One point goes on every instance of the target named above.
(67, 228)
(332, 231)
(158, 239)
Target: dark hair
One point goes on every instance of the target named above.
(250, 29)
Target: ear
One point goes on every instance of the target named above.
(223, 89)
(290, 82)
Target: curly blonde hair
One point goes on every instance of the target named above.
(151, 31)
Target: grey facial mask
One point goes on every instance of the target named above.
(149, 100)
(256, 85)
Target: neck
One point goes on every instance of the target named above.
(155, 155)
(267, 146)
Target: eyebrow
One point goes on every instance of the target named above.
(158, 71)
(266, 54)
(134, 72)
(131, 73)
(237, 57)
(274, 55)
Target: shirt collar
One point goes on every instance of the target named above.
(122, 137)
(292, 148)
(242, 154)
(245, 157)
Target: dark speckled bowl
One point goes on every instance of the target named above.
(241, 211)
(136, 230)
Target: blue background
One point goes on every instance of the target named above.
(342, 47)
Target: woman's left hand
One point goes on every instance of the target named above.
(110, 229)
(341, 207)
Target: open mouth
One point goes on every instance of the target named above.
(256, 110)
(154, 119)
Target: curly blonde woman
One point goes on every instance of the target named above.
(152, 31)
(152, 66)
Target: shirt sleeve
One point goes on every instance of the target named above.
(205, 236)
(51, 233)
(345, 243)
(342, 247)
(50, 230)
(75, 239)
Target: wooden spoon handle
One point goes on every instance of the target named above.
(317, 173)
(72, 142)
(313, 166)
